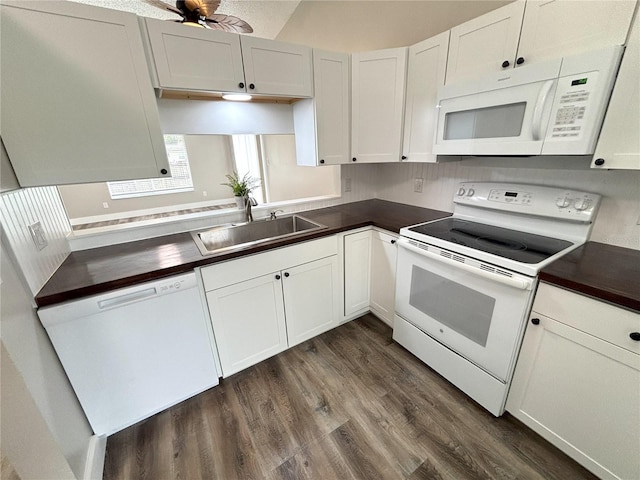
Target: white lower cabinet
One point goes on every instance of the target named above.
(384, 253)
(262, 304)
(577, 381)
(357, 273)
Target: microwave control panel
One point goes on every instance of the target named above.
(573, 104)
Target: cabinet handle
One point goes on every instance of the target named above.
(354, 159)
(286, 274)
(321, 161)
(535, 321)
(599, 161)
(393, 242)
(163, 171)
(252, 86)
(520, 61)
(241, 85)
(505, 64)
(403, 157)
(277, 277)
(635, 336)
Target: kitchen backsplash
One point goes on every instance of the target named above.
(616, 222)
(20, 209)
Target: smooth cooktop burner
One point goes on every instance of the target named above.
(512, 244)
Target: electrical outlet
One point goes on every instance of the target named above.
(105, 204)
(37, 235)
(347, 184)
(417, 185)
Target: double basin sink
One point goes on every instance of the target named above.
(228, 237)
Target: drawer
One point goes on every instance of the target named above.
(600, 319)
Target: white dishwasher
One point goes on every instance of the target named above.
(133, 352)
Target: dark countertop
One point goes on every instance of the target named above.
(99, 270)
(606, 272)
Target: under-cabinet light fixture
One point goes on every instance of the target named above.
(237, 97)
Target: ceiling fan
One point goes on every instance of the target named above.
(202, 13)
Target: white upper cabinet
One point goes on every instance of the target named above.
(522, 33)
(426, 73)
(378, 87)
(77, 101)
(276, 68)
(322, 124)
(195, 58)
(485, 43)
(619, 142)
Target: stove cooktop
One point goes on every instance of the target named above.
(511, 244)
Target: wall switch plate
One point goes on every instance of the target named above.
(37, 235)
(347, 184)
(417, 185)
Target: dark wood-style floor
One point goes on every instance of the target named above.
(349, 404)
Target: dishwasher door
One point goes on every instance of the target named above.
(135, 351)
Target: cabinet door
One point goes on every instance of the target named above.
(383, 275)
(482, 45)
(357, 263)
(276, 68)
(580, 393)
(77, 100)
(426, 73)
(195, 58)
(619, 142)
(556, 28)
(378, 85)
(311, 293)
(248, 322)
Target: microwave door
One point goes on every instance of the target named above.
(507, 121)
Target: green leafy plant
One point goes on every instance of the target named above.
(241, 186)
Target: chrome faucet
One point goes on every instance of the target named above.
(273, 215)
(249, 202)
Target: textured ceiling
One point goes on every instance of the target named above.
(267, 17)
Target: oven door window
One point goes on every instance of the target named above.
(460, 308)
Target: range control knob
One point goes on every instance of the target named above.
(581, 204)
(563, 202)
(461, 191)
(471, 192)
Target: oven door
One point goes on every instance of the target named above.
(475, 309)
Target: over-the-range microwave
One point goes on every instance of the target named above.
(552, 108)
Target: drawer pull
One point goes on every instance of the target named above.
(635, 336)
(535, 321)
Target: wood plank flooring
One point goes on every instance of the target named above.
(349, 404)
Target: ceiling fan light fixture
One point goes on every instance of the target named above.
(237, 97)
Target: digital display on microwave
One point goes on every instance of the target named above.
(510, 194)
(580, 81)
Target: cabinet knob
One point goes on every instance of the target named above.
(277, 277)
(163, 171)
(321, 161)
(393, 242)
(354, 159)
(599, 161)
(286, 274)
(535, 321)
(520, 61)
(403, 157)
(505, 64)
(252, 86)
(635, 336)
(241, 85)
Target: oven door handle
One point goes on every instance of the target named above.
(518, 283)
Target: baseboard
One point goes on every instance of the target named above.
(94, 466)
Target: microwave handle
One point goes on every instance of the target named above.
(536, 123)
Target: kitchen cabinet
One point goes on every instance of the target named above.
(619, 142)
(262, 304)
(522, 33)
(77, 101)
(357, 272)
(426, 73)
(194, 59)
(576, 381)
(377, 96)
(384, 253)
(322, 123)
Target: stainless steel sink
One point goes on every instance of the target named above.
(228, 237)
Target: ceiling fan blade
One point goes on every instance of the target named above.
(164, 6)
(205, 7)
(228, 23)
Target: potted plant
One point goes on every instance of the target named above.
(241, 187)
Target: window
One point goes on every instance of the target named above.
(180, 180)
